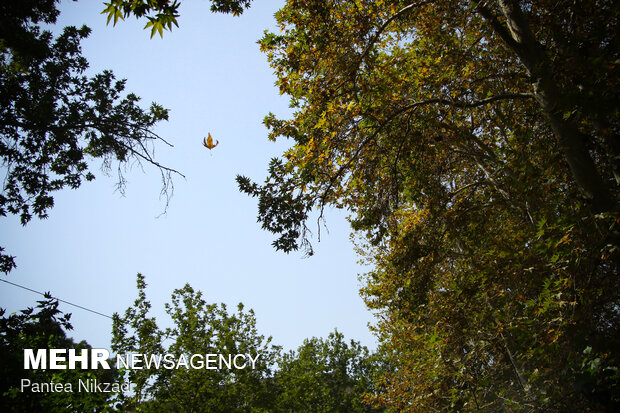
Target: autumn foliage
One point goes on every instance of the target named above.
(475, 145)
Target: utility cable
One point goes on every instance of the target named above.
(66, 302)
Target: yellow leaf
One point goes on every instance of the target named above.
(208, 142)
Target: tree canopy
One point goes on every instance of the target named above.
(323, 375)
(54, 119)
(475, 145)
(198, 328)
(327, 375)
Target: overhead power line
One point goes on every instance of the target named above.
(66, 302)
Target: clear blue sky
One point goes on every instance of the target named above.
(212, 76)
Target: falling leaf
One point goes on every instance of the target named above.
(208, 142)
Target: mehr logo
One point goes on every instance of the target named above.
(55, 359)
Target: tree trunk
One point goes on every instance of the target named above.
(519, 37)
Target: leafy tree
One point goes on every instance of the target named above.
(325, 375)
(53, 118)
(475, 145)
(198, 328)
(44, 327)
(162, 14)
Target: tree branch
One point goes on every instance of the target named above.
(518, 36)
(498, 27)
(468, 105)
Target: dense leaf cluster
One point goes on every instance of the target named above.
(323, 375)
(326, 375)
(475, 146)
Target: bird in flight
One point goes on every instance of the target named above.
(208, 142)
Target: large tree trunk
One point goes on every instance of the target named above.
(519, 37)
